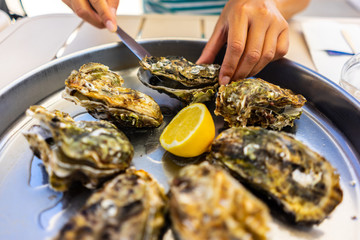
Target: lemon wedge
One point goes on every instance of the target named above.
(190, 132)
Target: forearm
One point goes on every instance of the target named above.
(289, 8)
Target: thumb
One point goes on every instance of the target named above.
(111, 23)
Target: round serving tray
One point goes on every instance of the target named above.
(29, 209)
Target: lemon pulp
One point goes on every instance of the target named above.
(190, 132)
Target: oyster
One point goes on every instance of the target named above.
(191, 95)
(250, 102)
(85, 151)
(182, 70)
(99, 90)
(281, 168)
(180, 78)
(130, 206)
(207, 203)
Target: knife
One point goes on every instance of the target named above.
(135, 47)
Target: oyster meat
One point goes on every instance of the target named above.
(84, 151)
(180, 78)
(130, 206)
(206, 202)
(100, 91)
(281, 168)
(255, 102)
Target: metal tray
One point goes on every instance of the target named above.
(29, 209)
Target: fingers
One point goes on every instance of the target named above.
(267, 40)
(100, 13)
(274, 48)
(237, 37)
(83, 9)
(256, 35)
(283, 44)
(267, 53)
(107, 16)
(253, 49)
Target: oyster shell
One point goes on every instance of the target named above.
(85, 151)
(207, 203)
(99, 90)
(255, 102)
(180, 78)
(191, 95)
(280, 168)
(181, 70)
(130, 206)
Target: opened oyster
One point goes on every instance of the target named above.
(207, 203)
(131, 206)
(281, 168)
(180, 78)
(182, 70)
(255, 102)
(99, 90)
(84, 151)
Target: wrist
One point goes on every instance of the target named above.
(288, 8)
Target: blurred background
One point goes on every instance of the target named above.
(12, 10)
(21, 8)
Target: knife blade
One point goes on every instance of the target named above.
(135, 47)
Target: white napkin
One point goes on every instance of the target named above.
(323, 35)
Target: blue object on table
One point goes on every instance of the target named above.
(337, 53)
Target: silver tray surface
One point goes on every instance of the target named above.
(29, 209)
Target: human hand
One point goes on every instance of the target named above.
(100, 13)
(256, 33)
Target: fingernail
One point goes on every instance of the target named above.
(224, 80)
(110, 26)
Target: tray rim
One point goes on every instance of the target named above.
(13, 87)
